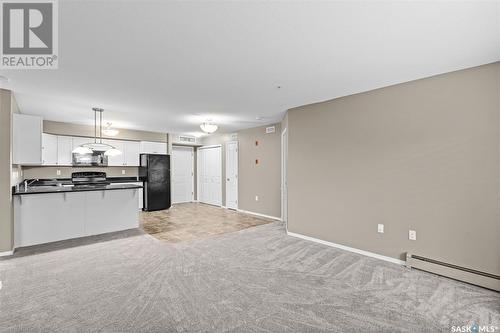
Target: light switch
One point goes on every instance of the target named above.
(380, 228)
(256, 198)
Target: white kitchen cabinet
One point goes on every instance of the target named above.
(78, 141)
(44, 218)
(26, 139)
(131, 153)
(149, 147)
(64, 150)
(101, 219)
(49, 149)
(140, 194)
(118, 160)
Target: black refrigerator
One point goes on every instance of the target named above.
(154, 171)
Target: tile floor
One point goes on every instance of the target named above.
(192, 221)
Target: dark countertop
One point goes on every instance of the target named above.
(123, 180)
(66, 188)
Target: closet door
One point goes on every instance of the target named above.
(209, 175)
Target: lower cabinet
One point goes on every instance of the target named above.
(140, 198)
(44, 218)
(123, 215)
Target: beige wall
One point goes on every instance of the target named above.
(60, 128)
(423, 155)
(261, 180)
(6, 214)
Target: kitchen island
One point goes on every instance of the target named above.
(44, 214)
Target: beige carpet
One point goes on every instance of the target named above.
(254, 280)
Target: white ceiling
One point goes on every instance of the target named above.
(167, 66)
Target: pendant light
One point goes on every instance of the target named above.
(109, 131)
(97, 145)
(208, 127)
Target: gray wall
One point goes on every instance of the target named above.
(6, 214)
(423, 155)
(263, 179)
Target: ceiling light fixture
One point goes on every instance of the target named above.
(208, 127)
(89, 148)
(109, 131)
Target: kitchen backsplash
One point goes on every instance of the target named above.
(65, 172)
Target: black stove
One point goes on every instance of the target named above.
(89, 179)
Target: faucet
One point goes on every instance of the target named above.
(26, 183)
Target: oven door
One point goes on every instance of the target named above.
(97, 158)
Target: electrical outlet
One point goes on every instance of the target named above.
(256, 198)
(123, 171)
(58, 172)
(412, 235)
(380, 228)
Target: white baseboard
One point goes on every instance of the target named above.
(350, 249)
(258, 214)
(6, 253)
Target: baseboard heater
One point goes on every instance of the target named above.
(472, 276)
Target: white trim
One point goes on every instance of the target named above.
(237, 171)
(6, 253)
(258, 214)
(347, 248)
(211, 146)
(283, 180)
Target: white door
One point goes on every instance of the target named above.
(232, 175)
(209, 175)
(182, 174)
(284, 178)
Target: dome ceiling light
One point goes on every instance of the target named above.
(97, 145)
(208, 127)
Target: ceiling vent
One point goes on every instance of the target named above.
(187, 139)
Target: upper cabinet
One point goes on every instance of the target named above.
(32, 147)
(130, 153)
(64, 150)
(118, 160)
(148, 147)
(49, 149)
(26, 139)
